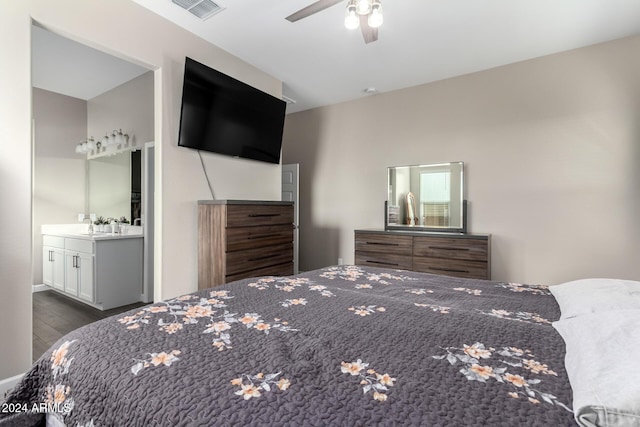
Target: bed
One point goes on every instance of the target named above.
(343, 345)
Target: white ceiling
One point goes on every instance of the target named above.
(73, 69)
(321, 62)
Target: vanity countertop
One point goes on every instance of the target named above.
(80, 231)
(94, 236)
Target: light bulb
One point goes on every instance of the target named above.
(351, 20)
(79, 148)
(364, 7)
(117, 137)
(375, 19)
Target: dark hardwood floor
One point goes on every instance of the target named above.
(55, 315)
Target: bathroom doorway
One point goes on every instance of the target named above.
(72, 102)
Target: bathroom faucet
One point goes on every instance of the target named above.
(137, 221)
(90, 224)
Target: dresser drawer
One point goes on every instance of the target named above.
(253, 259)
(274, 270)
(384, 260)
(450, 248)
(242, 238)
(452, 267)
(383, 243)
(255, 215)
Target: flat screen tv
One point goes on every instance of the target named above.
(223, 115)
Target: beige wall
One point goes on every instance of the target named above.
(551, 149)
(60, 122)
(148, 40)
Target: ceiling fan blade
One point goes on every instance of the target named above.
(311, 9)
(370, 34)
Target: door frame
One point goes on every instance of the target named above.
(294, 168)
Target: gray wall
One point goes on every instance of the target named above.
(551, 149)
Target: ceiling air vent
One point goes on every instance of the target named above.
(203, 9)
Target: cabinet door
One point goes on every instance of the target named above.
(72, 274)
(58, 268)
(85, 264)
(47, 265)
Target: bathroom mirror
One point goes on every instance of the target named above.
(426, 197)
(114, 188)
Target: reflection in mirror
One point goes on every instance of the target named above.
(114, 185)
(429, 197)
(412, 218)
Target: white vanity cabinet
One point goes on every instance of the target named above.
(102, 271)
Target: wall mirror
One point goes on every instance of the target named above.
(427, 198)
(114, 185)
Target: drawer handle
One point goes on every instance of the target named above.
(260, 258)
(382, 244)
(382, 263)
(451, 270)
(449, 248)
(262, 215)
(262, 236)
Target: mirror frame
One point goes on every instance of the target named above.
(394, 213)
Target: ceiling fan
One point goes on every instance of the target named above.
(366, 14)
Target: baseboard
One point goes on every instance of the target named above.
(39, 288)
(8, 384)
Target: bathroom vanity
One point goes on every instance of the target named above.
(102, 270)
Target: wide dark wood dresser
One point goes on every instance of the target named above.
(450, 254)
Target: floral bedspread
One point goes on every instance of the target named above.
(342, 345)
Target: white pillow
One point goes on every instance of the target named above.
(586, 296)
(601, 362)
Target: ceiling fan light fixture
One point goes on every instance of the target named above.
(351, 19)
(375, 17)
(363, 7)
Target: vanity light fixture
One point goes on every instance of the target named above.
(119, 138)
(112, 143)
(372, 9)
(86, 146)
